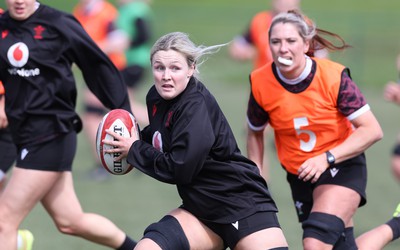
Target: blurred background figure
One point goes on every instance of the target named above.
(380, 236)
(253, 43)
(134, 20)
(391, 93)
(98, 19)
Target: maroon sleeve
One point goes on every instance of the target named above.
(256, 115)
(350, 98)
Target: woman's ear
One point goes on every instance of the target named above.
(306, 46)
(191, 70)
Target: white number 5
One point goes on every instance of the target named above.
(306, 146)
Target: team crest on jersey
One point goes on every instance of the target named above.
(157, 141)
(4, 34)
(38, 32)
(18, 54)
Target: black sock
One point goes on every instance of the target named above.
(128, 244)
(394, 224)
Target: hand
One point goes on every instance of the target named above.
(241, 50)
(392, 92)
(121, 144)
(312, 168)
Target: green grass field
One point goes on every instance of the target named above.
(135, 200)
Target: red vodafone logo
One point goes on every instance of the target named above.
(18, 54)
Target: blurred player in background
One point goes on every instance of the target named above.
(253, 44)
(380, 236)
(38, 47)
(98, 19)
(135, 19)
(392, 94)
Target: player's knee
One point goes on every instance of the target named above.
(69, 226)
(168, 234)
(323, 227)
(346, 240)
(66, 228)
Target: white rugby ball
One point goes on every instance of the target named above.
(119, 121)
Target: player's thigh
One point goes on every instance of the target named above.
(61, 201)
(264, 239)
(199, 236)
(25, 188)
(336, 200)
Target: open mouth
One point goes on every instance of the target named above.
(285, 61)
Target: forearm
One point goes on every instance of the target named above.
(360, 140)
(255, 147)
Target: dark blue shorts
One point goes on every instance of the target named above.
(351, 174)
(53, 155)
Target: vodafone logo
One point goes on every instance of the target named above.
(18, 54)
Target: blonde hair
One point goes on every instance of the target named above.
(180, 42)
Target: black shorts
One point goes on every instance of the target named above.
(232, 233)
(351, 173)
(8, 150)
(53, 155)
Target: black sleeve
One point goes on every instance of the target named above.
(256, 115)
(143, 33)
(192, 137)
(99, 73)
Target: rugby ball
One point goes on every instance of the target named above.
(121, 122)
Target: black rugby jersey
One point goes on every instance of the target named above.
(36, 56)
(190, 143)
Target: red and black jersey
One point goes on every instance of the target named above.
(36, 56)
(190, 143)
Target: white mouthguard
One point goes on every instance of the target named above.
(285, 61)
